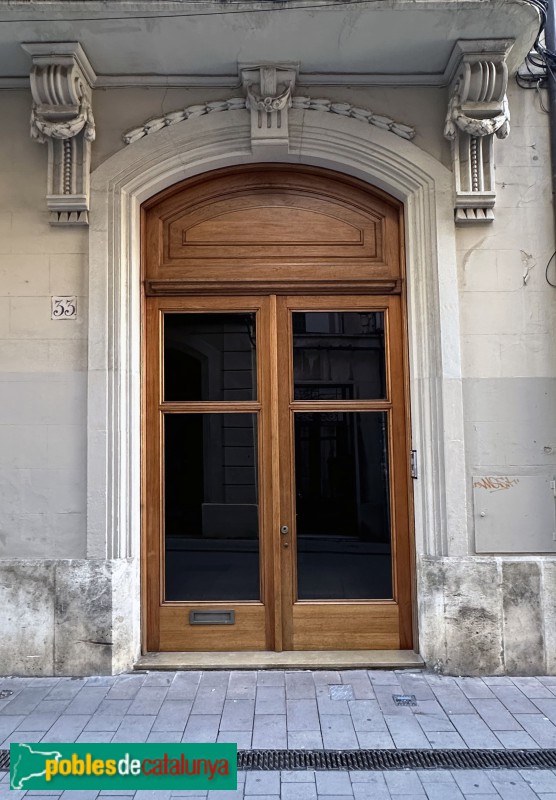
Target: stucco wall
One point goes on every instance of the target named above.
(495, 614)
(118, 110)
(504, 605)
(508, 311)
(42, 362)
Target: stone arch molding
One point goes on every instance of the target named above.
(238, 103)
(137, 172)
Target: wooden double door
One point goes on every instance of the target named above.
(276, 475)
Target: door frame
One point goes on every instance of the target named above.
(298, 615)
(274, 291)
(136, 173)
(289, 622)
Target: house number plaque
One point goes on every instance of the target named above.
(64, 307)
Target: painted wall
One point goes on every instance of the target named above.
(495, 614)
(42, 362)
(504, 605)
(118, 110)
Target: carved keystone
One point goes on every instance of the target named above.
(269, 96)
(61, 84)
(477, 111)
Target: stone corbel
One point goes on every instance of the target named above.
(269, 91)
(477, 112)
(61, 85)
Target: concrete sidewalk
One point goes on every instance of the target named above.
(297, 709)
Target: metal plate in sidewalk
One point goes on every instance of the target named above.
(341, 691)
(404, 699)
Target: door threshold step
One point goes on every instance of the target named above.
(292, 659)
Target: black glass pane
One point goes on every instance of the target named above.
(209, 357)
(342, 503)
(338, 355)
(211, 505)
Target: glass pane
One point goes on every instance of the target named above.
(211, 507)
(209, 357)
(338, 355)
(342, 502)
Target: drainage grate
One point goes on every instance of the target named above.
(395, 759)
(381, 759)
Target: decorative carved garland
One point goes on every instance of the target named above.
(239, 103)
(43, 129)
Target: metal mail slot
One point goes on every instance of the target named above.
(212, 617)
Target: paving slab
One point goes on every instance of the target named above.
(270, 700)
(305, 740)
(270, 731)
(87, 700)
(496, 716)
(473, 781)
(474, 688)
(237, 715)
(259, 783)
(406, 733)
(333, 783)
(242, 685)
(475, 732)
(338, 732)
(134, 728)
(514, 700)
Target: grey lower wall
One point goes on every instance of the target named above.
(68, 617)
(488, 615)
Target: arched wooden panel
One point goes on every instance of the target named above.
(267, 225)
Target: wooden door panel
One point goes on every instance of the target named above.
(247, 633)
(274, 225)
(168, 621)
(369, 624)
(301, 225)
(274, 241)
(345, 626)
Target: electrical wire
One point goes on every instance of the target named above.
(546, 271)
(273, 5)
(540, 62)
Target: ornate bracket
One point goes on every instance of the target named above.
(269, 96)
(477, 111)
(61, 84)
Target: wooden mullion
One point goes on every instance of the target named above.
(214, 407)
(152, 487)
(400, 475)
(287, 479)
(340, 405)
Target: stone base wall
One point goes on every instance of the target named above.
(69, 617)
(488, 615)
(477, 616)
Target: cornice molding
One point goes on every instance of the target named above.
(153, 80)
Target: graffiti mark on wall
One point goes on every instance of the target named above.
(495, 483)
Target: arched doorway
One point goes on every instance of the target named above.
(276, 489)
